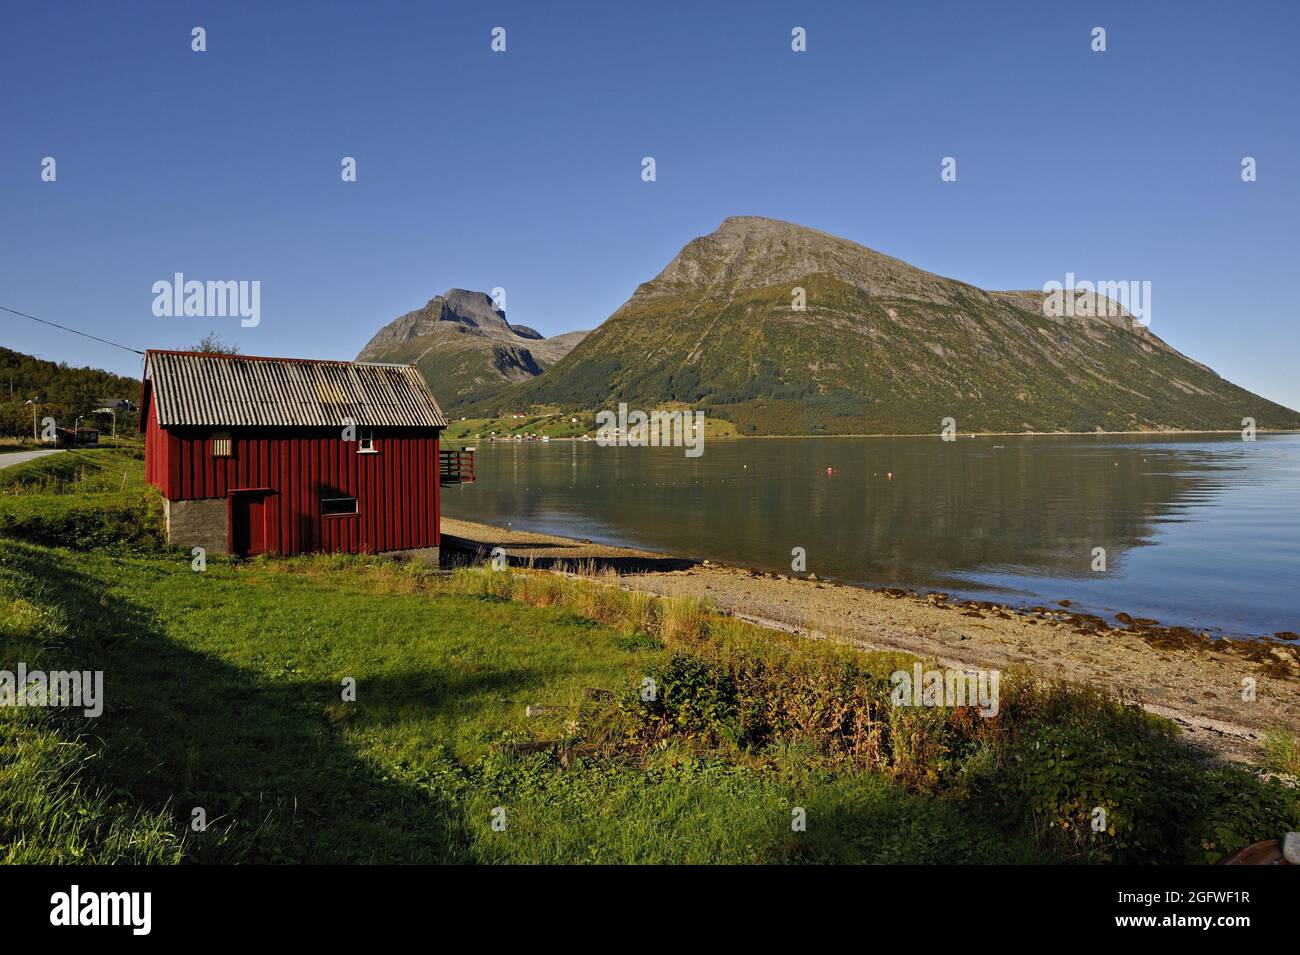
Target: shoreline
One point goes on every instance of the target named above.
(1173, 672)
(967, 435)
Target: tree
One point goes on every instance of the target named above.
(211, 344)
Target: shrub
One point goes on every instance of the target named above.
(1055, 753)
(694, 698)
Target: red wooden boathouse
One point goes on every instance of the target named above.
(287, 456)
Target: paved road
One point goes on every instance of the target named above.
(18, 457)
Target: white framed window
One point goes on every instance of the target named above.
(337, 506)
(222, 446)
(366, 442)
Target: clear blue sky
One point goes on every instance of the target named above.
(522, 169)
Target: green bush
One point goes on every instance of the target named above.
(1161, 803)
(1054, 757)
(694, 698)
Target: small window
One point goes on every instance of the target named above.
(335, 506)
(366, 442)
(221, 446)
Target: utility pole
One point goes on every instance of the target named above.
(34, 402)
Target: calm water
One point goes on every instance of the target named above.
(1203, 532)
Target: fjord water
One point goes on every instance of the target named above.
(1200, 531)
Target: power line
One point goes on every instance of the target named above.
(74, 331)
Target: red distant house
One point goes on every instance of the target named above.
(288, 456)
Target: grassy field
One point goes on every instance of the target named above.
(225, 694)
(77, 471)
(86, 497)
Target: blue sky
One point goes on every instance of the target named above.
(522, 169)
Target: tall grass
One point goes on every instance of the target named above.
(51, 813)
(1282, 752)
(51, 810)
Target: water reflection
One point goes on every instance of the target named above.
(1201, 532)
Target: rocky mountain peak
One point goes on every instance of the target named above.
(753, 252)
(463, 344)
(470, 308)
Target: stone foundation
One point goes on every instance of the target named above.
(204, 523)
(197, 524)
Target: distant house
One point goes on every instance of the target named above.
(289, 456)
(114, 407)
(108, 405)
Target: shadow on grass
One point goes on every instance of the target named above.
(270, 762)
(183, 730)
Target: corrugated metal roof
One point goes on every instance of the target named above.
(199, 389)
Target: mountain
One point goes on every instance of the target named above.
(881, 347)
(465, 347)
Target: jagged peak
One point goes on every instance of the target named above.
(458, 313)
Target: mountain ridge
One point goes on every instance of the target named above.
(881, 346)
(464, 346)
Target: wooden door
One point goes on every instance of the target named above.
(248, 522)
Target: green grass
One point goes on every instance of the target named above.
(224, 692)
(52, 810)
(82, 498)
(77, 471)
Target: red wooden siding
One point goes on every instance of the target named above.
(396, 488)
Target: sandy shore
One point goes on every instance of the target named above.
(1171, 671)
